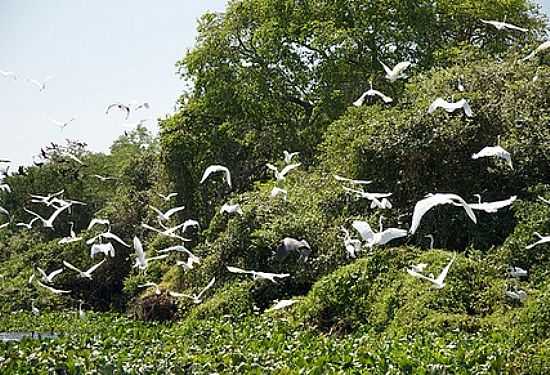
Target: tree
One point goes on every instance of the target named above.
(270, 75)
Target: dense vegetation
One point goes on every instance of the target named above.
(279, 75)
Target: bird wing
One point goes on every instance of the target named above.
(179, 295)
(95, 266)
(26, 210)
(364, 230)
(173, 248)
(439, 102)
(359, 102)
(384, 97)
(210, 284)
(70, 266)
(146, 226)
(514, 27)
(386, 68)
(57, 212)
(55, 273)
(390, 234)
(158, 257)
(138, 247)
(42, 272)
(272, 167)
(53, 290)
(114, 237)
(236, 270)
(443, 273)
(423, 206)
(288, 168)
(463, 203)
(467, 109)
(172, 211)
(400, 67)
(544, 200)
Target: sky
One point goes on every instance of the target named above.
(99, 52)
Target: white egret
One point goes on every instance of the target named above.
(359, 102)
(281, 304)
(516, 272)
(231, 209)
(377, 238)
(280, 176)
(540, 48)
(81, 314)
(5, 188)
(62, 124)
(197, 298)
(432, 240)
(355, 182)
(432, 200)
(141, 260)
(106, 249)
(289, 156)
(119, 106)
(165, 216)
(438, 282)
(542, 240)
(192, 259)
(48, 223)
(503, 25)
(41, 85)
(497, 151)
(168, 232)
(450, 106)
(84, 274)
(217, 168)
(168, 196)
(259, 275)
(107, 235)
(188, 224)
(72, 237)
(48, 277)
(53, 290)
(397, 71)
(491, 207)
(278, 191)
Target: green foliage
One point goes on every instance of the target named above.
(418, 153)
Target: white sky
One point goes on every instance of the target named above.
(99, 52)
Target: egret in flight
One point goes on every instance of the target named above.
(397, 71)
(197, 298)
(438, 282)
(497, 151)
(432, 200)
(280, 176)
(214, 169)
(258, 275)
(450, 106)
(84, 274)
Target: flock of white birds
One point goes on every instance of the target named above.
(101, 244)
